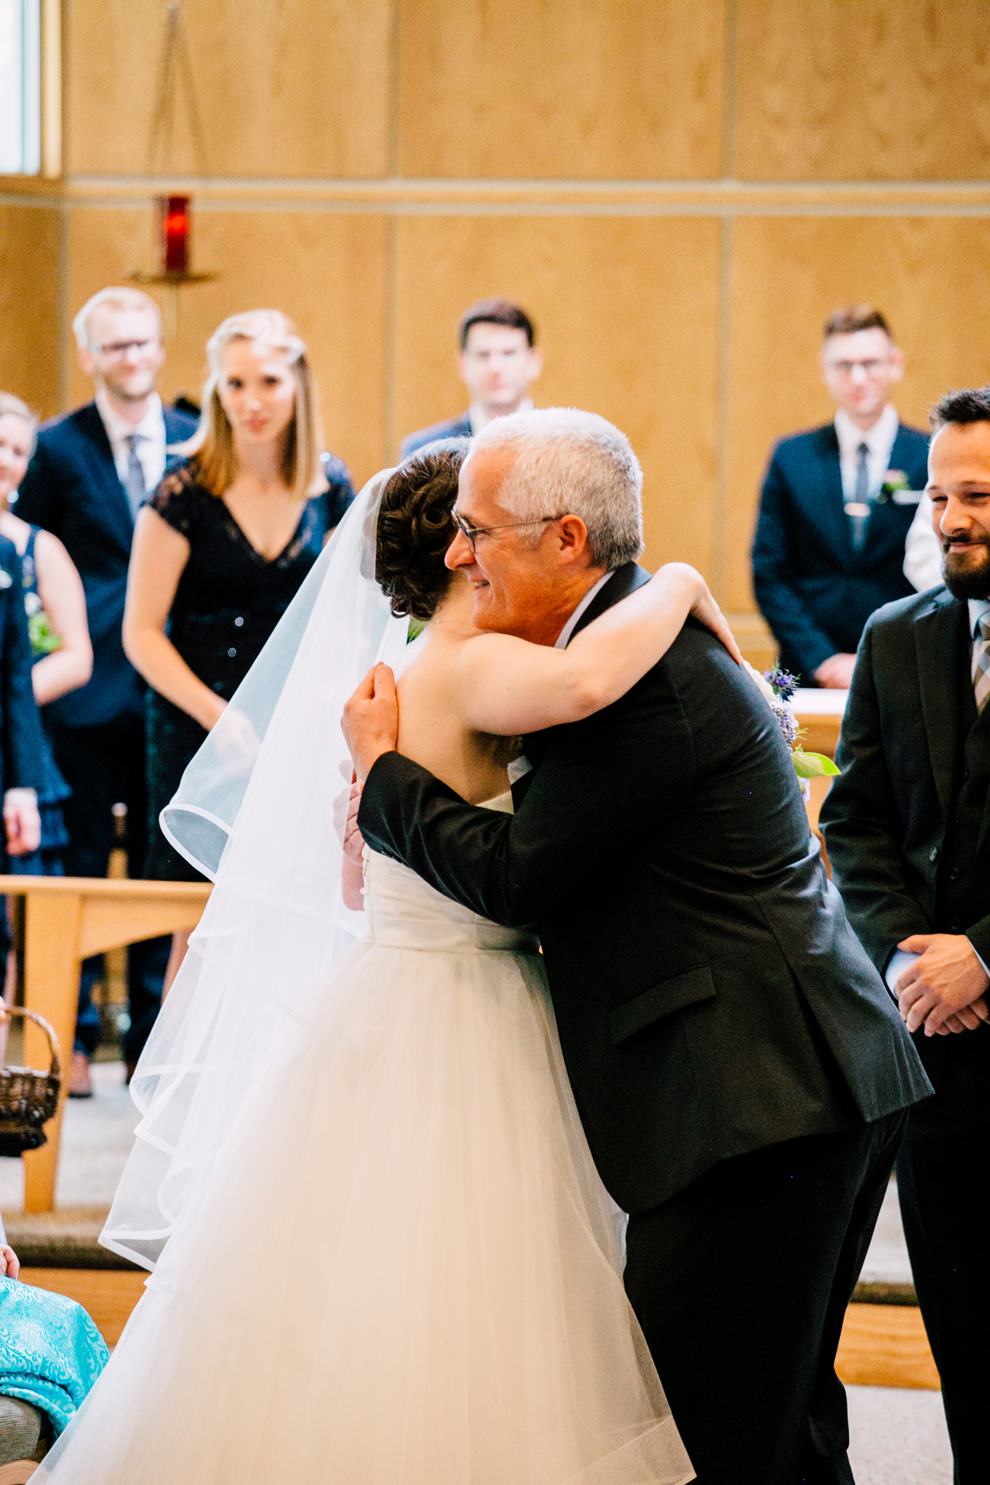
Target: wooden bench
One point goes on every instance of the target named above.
(65, 920)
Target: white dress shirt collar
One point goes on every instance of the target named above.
(977, 608)
(564, 637)
(879, 442)
(150, 447)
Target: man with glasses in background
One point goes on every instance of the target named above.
(87, 479)
(836, 507)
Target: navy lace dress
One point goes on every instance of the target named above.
(227, 603)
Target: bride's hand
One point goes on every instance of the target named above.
(705, 609)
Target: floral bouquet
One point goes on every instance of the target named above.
(777, 687)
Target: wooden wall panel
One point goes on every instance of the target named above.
(879, 89)
(285, 88)
(561, 88)
(625, 311)
(326, 272)
(930, 276)
(29, 305)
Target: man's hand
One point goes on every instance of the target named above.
(9, 1262)
(948, 981)
(371, 720)
(22, 821)
(836, 672)
(353, 839)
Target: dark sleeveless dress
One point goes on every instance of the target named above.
(228, 601)
(46, 861)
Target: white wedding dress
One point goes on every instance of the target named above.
(411, 1275)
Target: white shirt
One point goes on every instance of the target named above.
(150, 447)
(923, 550)
(479, 419)
(879, 441)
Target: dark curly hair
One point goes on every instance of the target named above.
(415, 528)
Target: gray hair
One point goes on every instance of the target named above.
(569, 462)
(120, 298)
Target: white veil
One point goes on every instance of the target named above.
(255, 812)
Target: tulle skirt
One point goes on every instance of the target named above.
(404, 1272)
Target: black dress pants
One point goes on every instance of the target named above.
(741, 1283)
(943, 1182)
(104, 766)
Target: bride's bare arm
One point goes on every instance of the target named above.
(506, 685)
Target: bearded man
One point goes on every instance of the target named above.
(908, 833)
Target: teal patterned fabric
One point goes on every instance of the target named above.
(51, 1353)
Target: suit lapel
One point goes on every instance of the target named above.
(938, 634)
(108, 493)
(829, 513)
(888, 523)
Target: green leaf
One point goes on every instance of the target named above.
(813, 765)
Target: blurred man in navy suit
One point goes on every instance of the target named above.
(836, 507)
(498, 362)
(91, 470)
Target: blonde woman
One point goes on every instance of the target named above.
(223, 545)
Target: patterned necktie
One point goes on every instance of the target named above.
(981, 661)
(859, 510)
(134, 484)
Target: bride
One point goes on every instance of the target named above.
(381, 1253)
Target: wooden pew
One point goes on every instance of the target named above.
(65, 920)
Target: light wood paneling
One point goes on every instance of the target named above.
(625, 313)
(326, 272)
(886, 1346)
(879, 89)
(285, 88)
(29, 292)
(930, 276)
(543, 88)
(107, 1295)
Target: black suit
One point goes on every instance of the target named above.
(908, 832)
(814, 589)
(72, 489)
(717, 1016)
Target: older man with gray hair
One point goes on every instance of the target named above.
(739, 1067)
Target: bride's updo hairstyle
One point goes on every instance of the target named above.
(415, 528)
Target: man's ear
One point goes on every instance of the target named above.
(535, 363)
(572, 535)
(896, 363)
(86, 360)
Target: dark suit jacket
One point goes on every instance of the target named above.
(887, 818)
(21, 746)
(710, 995)
(71, 488)
(814, 590)
(459, 427)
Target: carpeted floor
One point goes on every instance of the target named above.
(898, 1437)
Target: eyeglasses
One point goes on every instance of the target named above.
(471, 533)
(870, 369)
(117, 350)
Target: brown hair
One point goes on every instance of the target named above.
(415, 528)
(211, 448)
(495, 312)
(849, 318)
(967, 405)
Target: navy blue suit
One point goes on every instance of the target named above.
(814, 589)
(72, 489)
(459, 427)
(21, 742)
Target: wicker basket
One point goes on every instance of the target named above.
(28, 1098)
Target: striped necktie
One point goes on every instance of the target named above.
(134, 485)
(981, 661)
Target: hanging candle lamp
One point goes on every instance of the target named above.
(174, 217)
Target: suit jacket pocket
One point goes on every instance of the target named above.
(673, 994)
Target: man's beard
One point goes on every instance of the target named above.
(967, 581)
